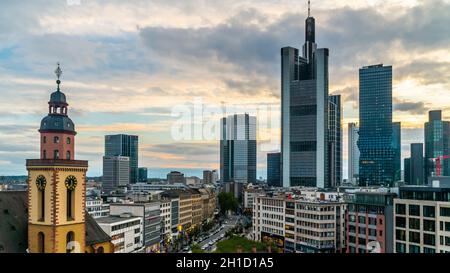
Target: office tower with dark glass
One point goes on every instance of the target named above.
(273, 169)
(304, 113)
(143, 174)
(238, 149)
(437, 143)
(124, 145)
(416, 165)
(376, 161)
(116, 173)
(396, 145)
(335, 140)
(353, 153)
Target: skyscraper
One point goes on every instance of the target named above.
(437, 143)
(407, 170)
(124, 145)
(238, 149)
(335, 140)
(353, 153)
(416, 171)
(376, 162)
(304, 113)
(273, 169)
(396, 145)
(143, 174)
(116, 173)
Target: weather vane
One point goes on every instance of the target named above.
(58, 73)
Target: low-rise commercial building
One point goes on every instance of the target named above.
(96, 208)
(126, 232)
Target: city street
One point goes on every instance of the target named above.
(217, 235)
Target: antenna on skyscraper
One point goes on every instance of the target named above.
(309, 8)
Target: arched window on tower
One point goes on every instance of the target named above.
(68, 155)
(101, 250)
(68, 140)
(56, 154)
(44, 154)
(44, 139)
(55, 139)
(41, 205)
(70, 238)
(41, 242)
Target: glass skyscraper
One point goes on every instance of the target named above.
(335, 140)
(397, 146)
(377, 153)
(238, 149)
(353, 153)
(437, 143)
(304, 114)
(273, 169)
(124, 145)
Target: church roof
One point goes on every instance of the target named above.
(58, 97)
(57, 123)
(94, 233)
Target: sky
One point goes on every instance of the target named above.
(130, 66)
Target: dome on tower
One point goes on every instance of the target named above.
(58, 97)
(57, 123)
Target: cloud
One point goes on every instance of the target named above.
(417, 108)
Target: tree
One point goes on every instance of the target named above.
(227, 202)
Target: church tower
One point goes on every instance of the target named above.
(56, 184)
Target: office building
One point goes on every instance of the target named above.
(407, 170)
(397, 146)
(124, 145)
(149, 213)
(210, 176)
(415, 166)
(96, 208)
(422, 218)
(116, 173)
(353, 153)
(437, 143)
(175, 177)
(238, 149)
(304, 113)
(274, 169)
(143, 175)
(369, 222)
(335, 140)
(125, 231)
(300, 224)
(375, 143)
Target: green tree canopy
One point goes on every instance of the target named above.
(227, 202)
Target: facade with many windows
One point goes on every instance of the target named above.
(422, 219)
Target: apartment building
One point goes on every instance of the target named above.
(298, 224)
(422, 218)
(197, 207)
(126, 232)
(209, 203)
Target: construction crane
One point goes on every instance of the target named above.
(438, 163)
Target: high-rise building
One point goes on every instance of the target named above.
(143, 174)
(416, 168)
(116, 173)
(353, 153)
(124, 145)
(377, 154)
(304, 113)
(210, 176)
(335, 140)
(175, 177)
(407, 170)
(238, 149)
(273, 170)
(437, 143)
(397, 146)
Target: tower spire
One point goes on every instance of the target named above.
(309, 8)
(58, 73)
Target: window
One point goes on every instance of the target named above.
(429, 239)
(447, 241)
(414, 223)
(56, 154)
(414, 237)
(400, 235)
(55, 139)
(41, 242)
(429, 225)
(68, 140)
(429, 211)
(70, 203)
(447, 226)
(429, 250)
(44, 154)
(44, 139)
(400, 222)
(445, 212)
(414, 249)
(400, 248)
(414, 210)
(70, 238)
(68, 155)
(101, 250)
(400, 209)
(380, 221)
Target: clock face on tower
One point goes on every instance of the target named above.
(41, 182)
(71, 182)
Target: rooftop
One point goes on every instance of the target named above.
(116, 219)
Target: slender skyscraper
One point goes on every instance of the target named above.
(304, 113)
(376, 162)
(353, 153)
(416, 172)
(273, 169)
(335, 140)
(238, 149)
(396, 145)
(124, 145)
(437, 143)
